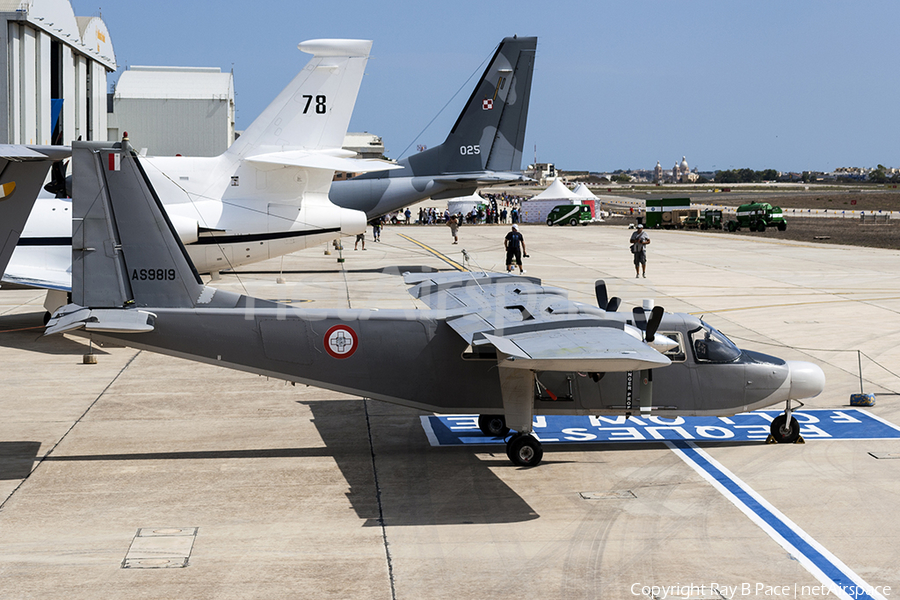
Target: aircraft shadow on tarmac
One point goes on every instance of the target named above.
(17, 459)
(405, 482)
(26, 332)
(382, 448)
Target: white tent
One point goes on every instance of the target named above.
(582, 191)
(556, 191)
(464, 204)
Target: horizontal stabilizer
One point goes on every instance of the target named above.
(72, 317)
(315, 160)
(484, 177)
(36, 277)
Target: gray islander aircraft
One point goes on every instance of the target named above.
(505, 347)
(484, 146)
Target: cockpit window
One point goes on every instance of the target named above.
(675, 354)
(712, 346)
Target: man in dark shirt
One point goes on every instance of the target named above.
(515, 247)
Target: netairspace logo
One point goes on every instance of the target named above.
(756, 590)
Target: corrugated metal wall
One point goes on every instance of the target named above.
(170, 127)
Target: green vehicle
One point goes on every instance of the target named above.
(569, 214)
(757, 216)
(711, 219)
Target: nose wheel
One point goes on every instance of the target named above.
(784, 431)
(524, 450)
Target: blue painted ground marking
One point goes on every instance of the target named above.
(842, 424)
(830, 571)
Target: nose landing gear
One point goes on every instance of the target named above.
(785, 429)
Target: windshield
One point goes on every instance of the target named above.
(712, 346)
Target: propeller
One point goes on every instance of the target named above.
(656, 316)
(60, 185)
(640, 318)
(648, 326)
(603, 300)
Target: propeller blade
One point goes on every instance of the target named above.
(60, 185)
(640, 319)
(600, 292)
(655, 319)
(613, 305)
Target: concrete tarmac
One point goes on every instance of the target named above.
(144, 476)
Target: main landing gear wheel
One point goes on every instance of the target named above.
(493, 425)
(524, 450)
(783, 433)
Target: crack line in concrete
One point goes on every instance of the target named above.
(387, 548)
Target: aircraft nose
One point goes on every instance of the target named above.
(807, 379)
(352, 221)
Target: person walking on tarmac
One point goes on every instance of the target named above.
(453, 224)
(515, 248)
(639, 241)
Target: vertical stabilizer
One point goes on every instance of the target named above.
(490, 132)
(314, 110)
(125, 251)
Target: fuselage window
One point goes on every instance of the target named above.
(710, 345)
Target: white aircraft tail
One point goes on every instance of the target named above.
(313, 111)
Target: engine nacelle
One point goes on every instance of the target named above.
(188, 229)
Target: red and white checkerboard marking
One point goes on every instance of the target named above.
(487, 104)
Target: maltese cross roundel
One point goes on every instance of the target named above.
(341, 341)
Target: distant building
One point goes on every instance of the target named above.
(366, 145)
(53, 73)
(542, 172)
(680, 173)
(174, 110)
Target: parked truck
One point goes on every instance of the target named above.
(757, 216)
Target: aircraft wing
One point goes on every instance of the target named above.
(530, 326)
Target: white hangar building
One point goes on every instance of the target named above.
(174, 110)
(54, 68)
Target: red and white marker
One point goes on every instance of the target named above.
(341, 341)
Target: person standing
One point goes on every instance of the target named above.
(515, 248)
(360, 237)
(376, 229)
(453, 224)
(639, 241)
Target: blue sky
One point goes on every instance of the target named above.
(798, 85)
